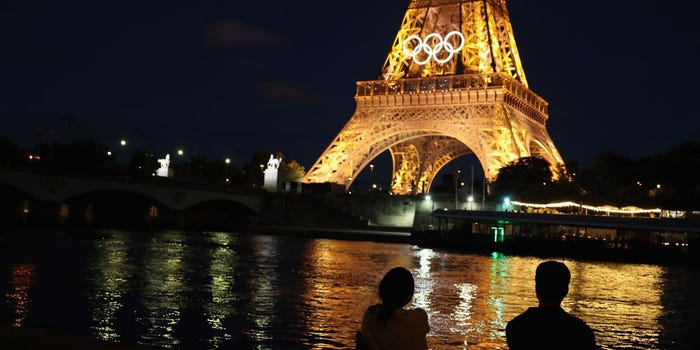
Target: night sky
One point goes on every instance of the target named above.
(228, 78)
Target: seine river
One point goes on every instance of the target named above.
(218, 290)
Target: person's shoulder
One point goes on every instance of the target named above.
(578, 329)
(417, 316)
(373, 309)
(418, 311)
(580, 323)
(522, 317)
(415, 313)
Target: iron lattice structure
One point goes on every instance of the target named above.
(452, 84)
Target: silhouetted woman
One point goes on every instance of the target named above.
(388, 326)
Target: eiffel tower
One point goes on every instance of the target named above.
(452, 84)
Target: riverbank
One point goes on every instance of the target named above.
(369, 233)
(543, 246)
(543, 243)
(21, 338)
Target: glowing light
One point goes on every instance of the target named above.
(426, 46)
(227, 160)
(22, 277)
(604, 208)
(122, 142)
(180, 152)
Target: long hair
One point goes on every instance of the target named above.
(396, 290)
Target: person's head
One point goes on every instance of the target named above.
(552, 281)
(396, 288)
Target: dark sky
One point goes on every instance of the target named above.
(228, 78)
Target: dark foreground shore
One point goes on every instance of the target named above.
(20, 338)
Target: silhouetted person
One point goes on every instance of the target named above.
(388, 326)
(549, 326)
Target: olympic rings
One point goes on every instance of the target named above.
(433, 45)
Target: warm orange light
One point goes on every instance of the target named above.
(602, 208)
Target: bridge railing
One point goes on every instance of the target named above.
(452, 83)
(144, 180)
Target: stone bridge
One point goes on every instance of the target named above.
(52, 196)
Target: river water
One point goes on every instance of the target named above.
(218, 290)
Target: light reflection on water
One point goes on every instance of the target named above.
(21, 279)
(110, 272)
(216, 290)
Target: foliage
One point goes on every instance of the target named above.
(667, 180)
(291, 171)
(10, 153)
(525, 177)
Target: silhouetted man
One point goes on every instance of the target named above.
(548, 326)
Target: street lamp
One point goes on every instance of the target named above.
(122, 142)
(456, 180)
(227, 161)
(429, 198)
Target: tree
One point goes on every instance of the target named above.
(252, 173)
(143, 164)
(291, 171)
(10, 153)
(527, 178)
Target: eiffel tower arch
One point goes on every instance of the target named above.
(452, 85)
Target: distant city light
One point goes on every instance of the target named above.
(122, 142)
(605, 208)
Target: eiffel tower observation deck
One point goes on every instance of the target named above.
(452, 84)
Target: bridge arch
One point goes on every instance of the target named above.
(113, 208)
(418, 154)
(58, 197)
(218, 213)
(14, 204)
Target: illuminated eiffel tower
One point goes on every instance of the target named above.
(452, 85)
